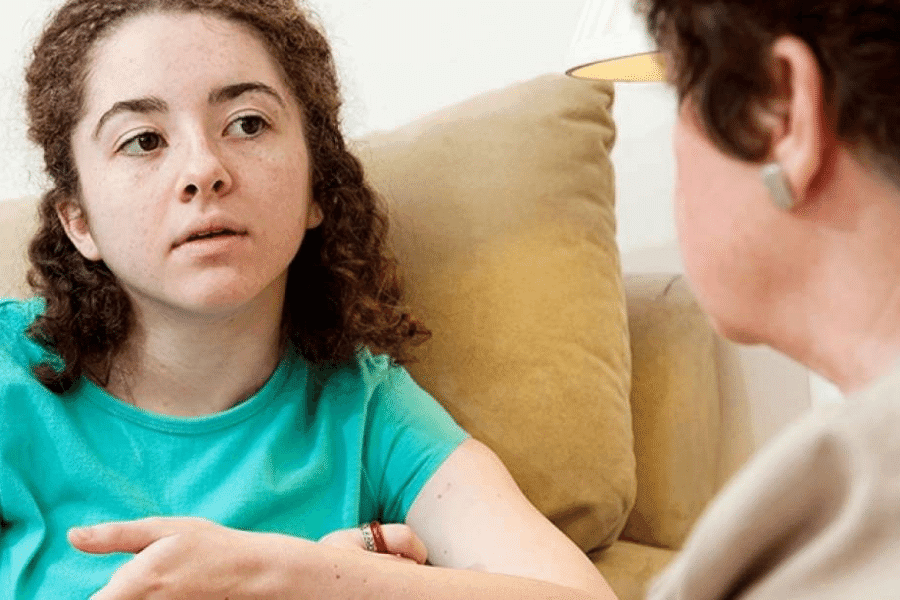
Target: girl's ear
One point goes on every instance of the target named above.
(314, 215)
(74, 221)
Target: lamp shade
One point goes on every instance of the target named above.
(612, 43)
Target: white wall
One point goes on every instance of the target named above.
(20, 166)
(399, 59)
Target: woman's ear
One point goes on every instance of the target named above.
(797, 117)
(74, 221)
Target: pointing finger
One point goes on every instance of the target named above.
(125, 536)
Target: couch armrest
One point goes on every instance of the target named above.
(676, 409)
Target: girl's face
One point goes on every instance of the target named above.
(193, 165)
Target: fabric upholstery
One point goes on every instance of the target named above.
(18, 222)
(629, 567)
(502, 212)
(676, 411)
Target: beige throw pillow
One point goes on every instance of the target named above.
(502, 212)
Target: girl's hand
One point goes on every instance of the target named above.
(401, 541)
(184, 558)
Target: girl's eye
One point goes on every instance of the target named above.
(143, 143)
(248, 126)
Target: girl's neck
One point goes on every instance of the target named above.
(198, 366)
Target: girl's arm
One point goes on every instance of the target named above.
(483, 537)
(472, 516)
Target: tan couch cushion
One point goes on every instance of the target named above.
(675, 404)
(502, 216)
(629, 568)
(18, 222)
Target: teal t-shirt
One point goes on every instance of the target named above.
(313, 451)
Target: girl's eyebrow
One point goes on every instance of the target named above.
(217, 96)
(230, 92)
(138, 105)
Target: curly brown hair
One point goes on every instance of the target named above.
(720, 51)
(88, 316)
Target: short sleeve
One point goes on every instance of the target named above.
(408, 436)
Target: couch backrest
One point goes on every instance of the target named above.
(18, 221)
(676, 409)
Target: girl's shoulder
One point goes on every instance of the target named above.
(374, 370)
(15, 318)
(363, 365)
(17, 315)
(12, 308)
(362, 377)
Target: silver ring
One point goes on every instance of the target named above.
(368, 538)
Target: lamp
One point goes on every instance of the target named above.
(612, 43)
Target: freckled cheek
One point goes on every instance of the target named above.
(282, 185)
(127, 233)
(127, 217)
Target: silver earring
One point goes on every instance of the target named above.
(773, 177)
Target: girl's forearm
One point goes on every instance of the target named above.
(338, 574)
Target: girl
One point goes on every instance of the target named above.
(209, 379)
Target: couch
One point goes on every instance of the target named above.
(599, 390)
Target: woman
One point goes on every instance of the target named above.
(788, 209)
(194, 397)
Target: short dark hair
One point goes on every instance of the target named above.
(721, 55)
(343, 289)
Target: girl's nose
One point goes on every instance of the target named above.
(204, 173)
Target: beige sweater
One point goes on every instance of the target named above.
(815, 515)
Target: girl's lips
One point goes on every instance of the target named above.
(211, 234)
(199, 231)
(211, 245)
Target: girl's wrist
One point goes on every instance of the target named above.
(282, 565)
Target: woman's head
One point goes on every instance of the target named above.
(721, 60)
(808, 86)
(342, 290)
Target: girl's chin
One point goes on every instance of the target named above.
(224, 303)
(218, 301)
(211, 293)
